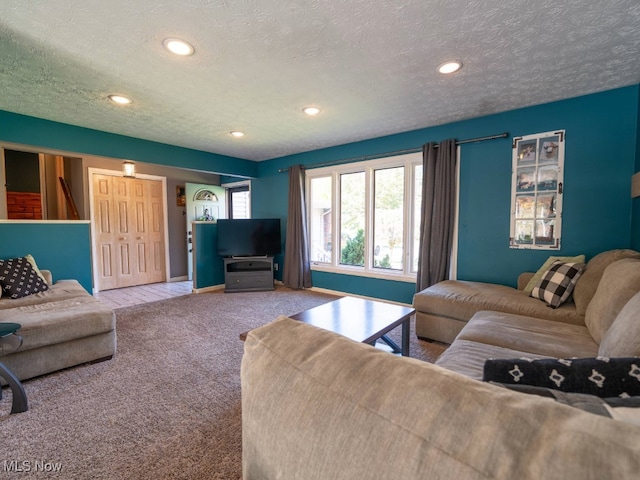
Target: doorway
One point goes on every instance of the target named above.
(32, 185)
(129, 229)
(204, 203)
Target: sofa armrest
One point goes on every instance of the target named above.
(47, 276)
(524, 278)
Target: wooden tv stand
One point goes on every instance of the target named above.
(248, 274)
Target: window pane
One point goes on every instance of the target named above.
(417, 215)
(320, 224)
(388, 229)
(240, 203)
(352, 205)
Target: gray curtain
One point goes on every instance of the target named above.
(297, 268)
(438, 215)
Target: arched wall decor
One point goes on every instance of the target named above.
(206, 195)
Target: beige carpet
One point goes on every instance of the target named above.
(168, 404)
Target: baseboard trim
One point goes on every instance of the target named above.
(183, 278)
(213, 288)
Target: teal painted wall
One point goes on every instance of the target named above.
(273, 205)
(37, 132)
(635, 221)
(599, 160)
(30, 131)
(208, 266)
(64, 248)
(22, 171)
(366, 286)
(602, 151)
(600, 156)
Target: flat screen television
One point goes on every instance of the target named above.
(249, 237)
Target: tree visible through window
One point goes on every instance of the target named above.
(352, 205)
(388, 214)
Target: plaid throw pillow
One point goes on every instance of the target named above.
(19, 279)
(555, 286)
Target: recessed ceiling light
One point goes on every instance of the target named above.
(120, 99)
(179, 47)
(311, 110)
(236, 133)
(450, 67)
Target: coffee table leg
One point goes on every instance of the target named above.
(394, 346)
(406, 326)
(19, 403)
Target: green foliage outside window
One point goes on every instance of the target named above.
(384, 263)
(353, 251)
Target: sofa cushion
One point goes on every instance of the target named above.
(63, 313)
(556, 285)
(64, 289)
(603, 377)
(461, 300)
(533, 281)
(620, 282)
(623, 337)
(467, 357)
(19, 279)
(529, 335)
(590, 279)
(621, 409)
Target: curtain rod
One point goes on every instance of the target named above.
(397, 152)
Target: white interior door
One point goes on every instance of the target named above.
(204, 203)
(128, 231)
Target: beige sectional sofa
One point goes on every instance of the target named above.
(316, 405)
(442, 310)
(612, 328)
(61, 327)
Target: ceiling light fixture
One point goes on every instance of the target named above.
(450, 67)
(179, 47)
(120, 99)
(311, 110)
(236, 134)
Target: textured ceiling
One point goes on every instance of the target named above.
(369, 64)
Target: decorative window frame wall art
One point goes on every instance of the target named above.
(536, 191)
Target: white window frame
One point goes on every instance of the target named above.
(408, 161)
(536, 164)
(229, 186)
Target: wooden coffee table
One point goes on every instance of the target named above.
(361, 320)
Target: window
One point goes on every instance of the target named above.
(320, 219)
(371, 211)
(417, 215)
(239, 201)
(388, 224)
(352, 204)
